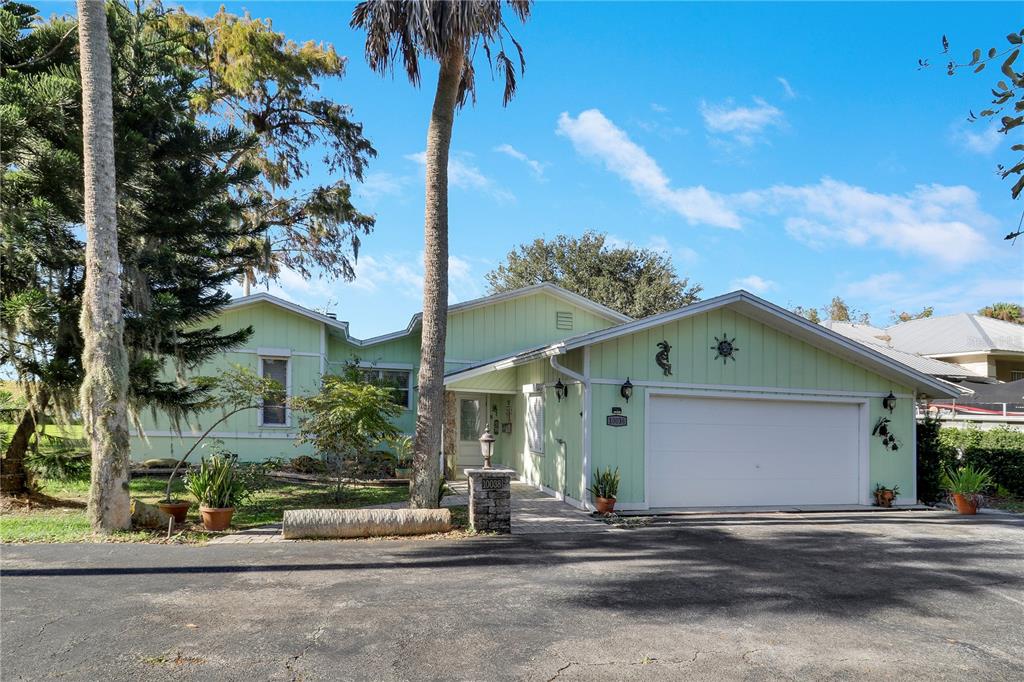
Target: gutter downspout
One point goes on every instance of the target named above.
(584, 380)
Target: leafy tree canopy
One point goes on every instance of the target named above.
(636, 282)
(1007, 312)
(905, 316)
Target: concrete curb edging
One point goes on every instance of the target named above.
(361, 523)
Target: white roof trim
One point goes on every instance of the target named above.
(878, 362)
(414, 322)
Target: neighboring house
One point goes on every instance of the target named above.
(981, 345)
(734, 401)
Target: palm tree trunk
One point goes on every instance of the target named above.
(13, 476)
(105, 386)
(430, 406)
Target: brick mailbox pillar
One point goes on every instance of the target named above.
(490, 499)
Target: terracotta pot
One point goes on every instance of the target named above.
(216, 518)
(605, 505)
(884, 498)
(177, 509)
(403, 473)
(965, 504)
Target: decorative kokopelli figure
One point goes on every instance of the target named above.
(662, 358)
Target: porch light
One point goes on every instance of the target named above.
(560, 390)
(889, 402)
(487, 446)
(627, 390)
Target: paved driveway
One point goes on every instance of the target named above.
(881, 596)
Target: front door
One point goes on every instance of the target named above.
(471, 414)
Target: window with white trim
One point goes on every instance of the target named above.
(535, 422)
(274, 413)
(399, 380)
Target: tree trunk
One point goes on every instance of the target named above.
(430, 406)
(105, 385)
(450, 435)
(13, 476)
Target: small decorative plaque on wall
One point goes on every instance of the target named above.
(616, 420)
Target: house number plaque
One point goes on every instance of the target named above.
(616, 420)
(491, 483)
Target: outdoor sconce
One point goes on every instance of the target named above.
(626, 391)
(487, 447)
(561, 390)
(889, 402)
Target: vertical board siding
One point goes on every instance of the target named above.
(767, 358)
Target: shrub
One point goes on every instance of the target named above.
(61, 464)
(606, 483)
(218, 483)
(930, 462)
(1000, 450)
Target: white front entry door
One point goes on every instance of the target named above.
(715, 452)
(472, 415)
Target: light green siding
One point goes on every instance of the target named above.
(491, 331)
(502, 380)
(766, 359)
(273, 328)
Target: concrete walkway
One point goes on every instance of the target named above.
(533, 512)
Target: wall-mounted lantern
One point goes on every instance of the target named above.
(561, 390)
(626, 391)
(487, 447)
(889, 402)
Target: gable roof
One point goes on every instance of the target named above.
(343, 327)
(957, 334)
(754, 307)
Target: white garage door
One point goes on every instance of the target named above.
(709, 452)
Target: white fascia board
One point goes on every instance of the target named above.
(879, 362)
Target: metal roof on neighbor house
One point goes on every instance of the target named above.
(956, 334)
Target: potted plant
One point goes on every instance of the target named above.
(604, 489)
(403, 454)
(219, 488)
(885, 496)
(964, 485)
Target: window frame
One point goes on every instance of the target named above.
(539, 397)
(1016, 374)
(287, 392)
(367, 368)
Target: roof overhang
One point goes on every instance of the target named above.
(755, 308)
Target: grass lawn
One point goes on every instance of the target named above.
(57, 512)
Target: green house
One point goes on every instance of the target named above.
(732, 401)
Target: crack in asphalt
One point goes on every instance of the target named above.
(646, 660)
(311, 640)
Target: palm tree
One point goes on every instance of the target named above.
(447, 32)
(105, 386)
(1007, 312)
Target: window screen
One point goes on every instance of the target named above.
(396, 379)
(535, 422)
(275, 412)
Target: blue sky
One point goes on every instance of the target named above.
(790, 149)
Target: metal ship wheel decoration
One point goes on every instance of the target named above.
(725, 348)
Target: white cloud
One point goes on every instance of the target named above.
(939, 222)
(377, 185)
(403, 274)
(984, 142)
(659, 243)
(890, 292)
(536, 166)
(786, 87)
(464, 175)
(594, 136)
(659, 108)
(754, 283)
(936, 221)
(741, 123)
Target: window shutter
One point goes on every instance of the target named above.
(535, 422)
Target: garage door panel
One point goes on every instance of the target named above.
(727, 452)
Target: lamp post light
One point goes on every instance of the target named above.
(487, 446)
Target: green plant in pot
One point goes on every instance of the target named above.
(219, 487)
(884, 496)
(604, 489)
(403, 453)
(965, 485)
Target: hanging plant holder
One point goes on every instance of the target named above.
(889, 439)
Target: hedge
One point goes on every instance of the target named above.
(1001, 450)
